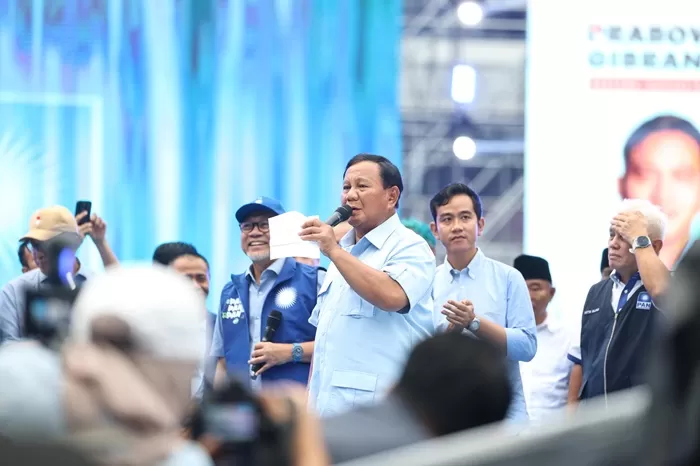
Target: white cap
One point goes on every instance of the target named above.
(162, 308)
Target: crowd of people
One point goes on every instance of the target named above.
(389, 347)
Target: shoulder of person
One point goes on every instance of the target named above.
(24, 281)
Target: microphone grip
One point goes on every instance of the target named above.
(256, 367)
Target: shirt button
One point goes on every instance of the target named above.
(626, 291)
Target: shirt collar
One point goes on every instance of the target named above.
(614, 276)
(377, 237)
(274, 268)
(549, 324)
(472, 269)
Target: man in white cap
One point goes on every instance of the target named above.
(48, 225)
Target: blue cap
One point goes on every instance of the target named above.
(260, 205)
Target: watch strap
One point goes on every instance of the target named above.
(297, 352)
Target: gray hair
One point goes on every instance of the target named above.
(656, 219)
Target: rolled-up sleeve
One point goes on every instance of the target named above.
(413, 268)
(575, 348)
(10, 314)
(521, 330)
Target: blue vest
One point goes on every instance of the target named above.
(294, 295)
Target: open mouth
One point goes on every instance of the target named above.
(253, 244)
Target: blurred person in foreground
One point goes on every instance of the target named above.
(605, 269)
(434, 396)
(271, 428)
(422, 230)
(375, 304)
(478, 295)
(662, 165)
(284, 285)
(185, 260)
(120, 385)
(620, 316)
(546, 376)
(45, 225)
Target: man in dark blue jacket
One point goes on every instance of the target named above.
(620, 316)
(284, 285)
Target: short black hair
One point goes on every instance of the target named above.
(23, 246)
(391, 176)
(656, 124)
(167, 253)
(454, 382)
(451, 190)
(604, 260)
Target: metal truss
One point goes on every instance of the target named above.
(427, 121)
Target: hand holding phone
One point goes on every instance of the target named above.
(83, 206)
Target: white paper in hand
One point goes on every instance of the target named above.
(284, 237)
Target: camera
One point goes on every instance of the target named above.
(233, 425)
(47, 313)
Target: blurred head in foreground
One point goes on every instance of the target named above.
(135, 342)
(454, 382)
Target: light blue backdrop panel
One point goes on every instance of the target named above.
(169, 114)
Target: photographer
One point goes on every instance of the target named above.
(274, 427)
(120, 385)
(47, 225)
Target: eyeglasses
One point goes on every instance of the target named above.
(247, 227)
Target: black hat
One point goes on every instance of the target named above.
(604, 263)
(533, 267)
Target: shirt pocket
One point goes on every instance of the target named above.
(352, 305)
(351, 389)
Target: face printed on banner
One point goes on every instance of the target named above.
(665, 169)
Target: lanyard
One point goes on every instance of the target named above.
(627, 291)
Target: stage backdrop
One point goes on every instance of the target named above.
(169, 114)
(597, 71)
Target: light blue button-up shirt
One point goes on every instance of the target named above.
(13, 298)
(499, 294)
(360, 350)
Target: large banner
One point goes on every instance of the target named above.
(613, 112)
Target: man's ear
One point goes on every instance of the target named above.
(433, 229)
(25, 269)
(552, 292)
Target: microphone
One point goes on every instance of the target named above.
(341, 214)
(273, 322)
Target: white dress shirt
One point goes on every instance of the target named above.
(546, 377)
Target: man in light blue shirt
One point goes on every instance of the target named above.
(46, 225)
(375, 302)
(479, 295)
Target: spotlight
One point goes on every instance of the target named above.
(463, 84)
(470, 13)
(464, 148)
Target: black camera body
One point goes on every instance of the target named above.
(48, 310)
(235, 419)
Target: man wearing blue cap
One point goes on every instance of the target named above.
(283, 285)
